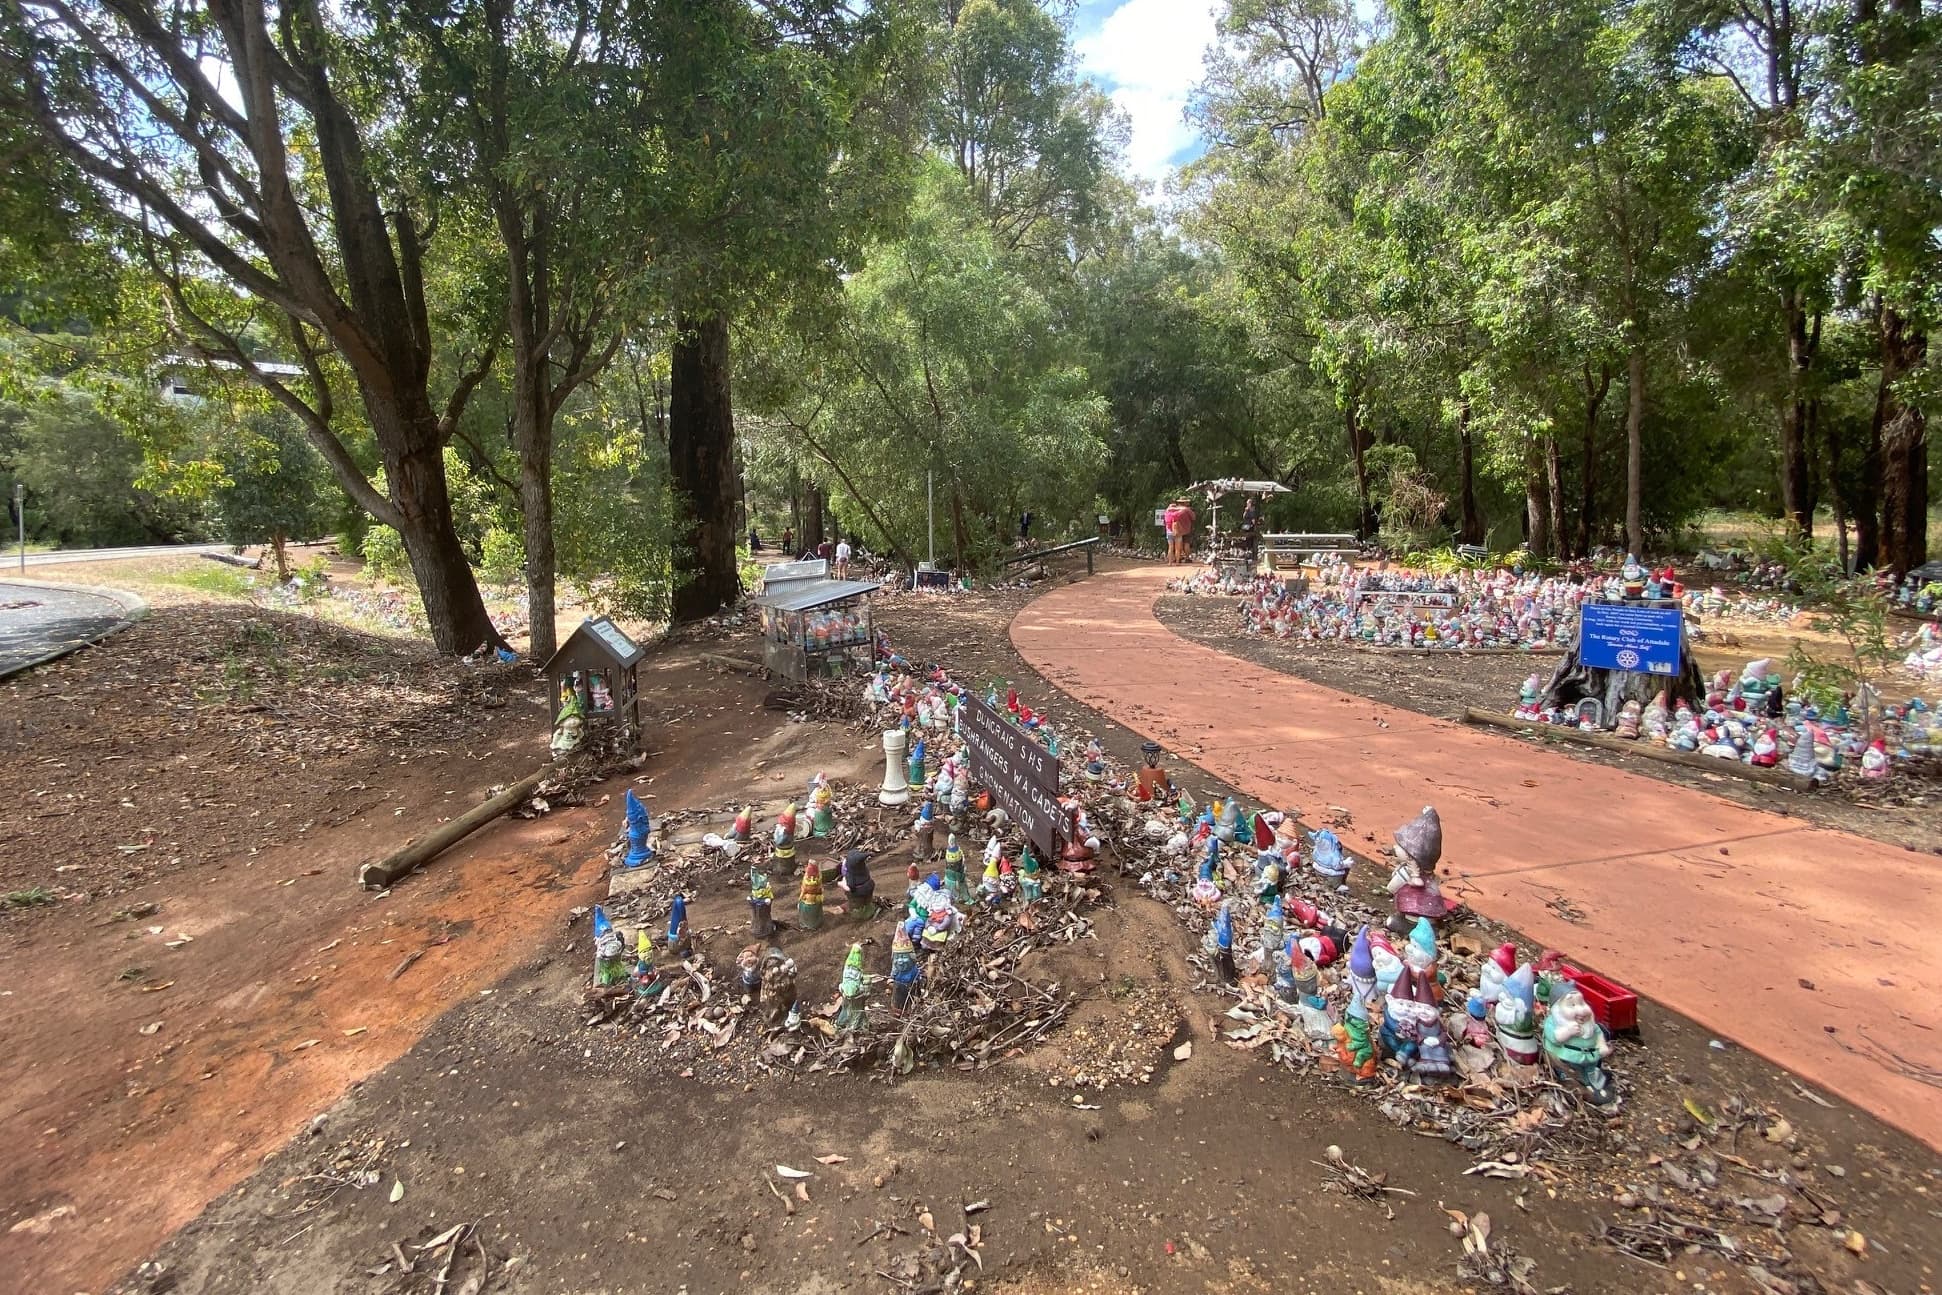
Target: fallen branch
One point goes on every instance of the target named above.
(386, 871)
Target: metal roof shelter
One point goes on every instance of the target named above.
(813, 626)
(1231, 486)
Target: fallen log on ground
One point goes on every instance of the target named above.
(237, 560)
(1777, 776)
(386, 871)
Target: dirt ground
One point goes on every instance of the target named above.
(1901, 811)
(461, 1087)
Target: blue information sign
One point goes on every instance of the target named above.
(1622, 636)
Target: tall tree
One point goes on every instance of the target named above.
(221, 145)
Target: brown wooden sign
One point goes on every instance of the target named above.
(1022, 775)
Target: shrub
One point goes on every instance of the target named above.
(384, 553)
(502, 557)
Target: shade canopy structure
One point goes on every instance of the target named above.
(1220, 486)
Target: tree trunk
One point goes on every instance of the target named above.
(1471, 531)
(1796, 482)
(415, 478)
(960, 532)
(536, 514)
(1554, 492)
(1634, 452)
(1537, 506)
(701, 451)
(282, 558)
(1588, 476)
(1904, 449)
(812, 521)
(1573, 681)
(1365, 524)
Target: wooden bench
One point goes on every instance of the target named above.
(1031, 555)
(1472, 552)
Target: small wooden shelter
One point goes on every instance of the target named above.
(596, 665)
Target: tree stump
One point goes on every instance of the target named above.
(1573, 681)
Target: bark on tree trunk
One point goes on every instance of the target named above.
(1471, 531)
(1537, 506)
(960, 532)
(1554, 492)
(1796, 482)
(536, 513)
(1588, 475)
(1904, 449)
(812, 520)
(701, 449)
(1573, 681)
(1365, 524)
(1634, 454)
(415, 477)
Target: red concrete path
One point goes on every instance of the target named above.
(1713, 910)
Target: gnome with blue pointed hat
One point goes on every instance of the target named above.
(639, 852)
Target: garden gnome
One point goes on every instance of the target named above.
(680, 942)
(1766, 749)
(1329, 860)
(1419, 844)
(638, 826)
(761, 896)
(989, 882)
(1206, 891)
(860, 884)
(1080, 844)
(1527, 707)
(784, 838)
(809, 901)
(609, 953)
(851, 1015)
(1494, 971)
(960, 791)
(1515, 1019)
(1354, 1046)
(822, 808)
(644, 978)
(1095, 761)
(1874, 761)
(914, 773)
(748, 973)
(1628, 720)
(955, 882)
(1632, 576)
(744, 826)
(904, 968)
(1030, 885)
(924, 833)
(570, 729)
(1227, 821)
(779, 988)
(1576, 1047)
(1220, 943)
(941, 919)
(1656, 722)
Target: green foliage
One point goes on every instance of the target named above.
(613, 519)
(210, 578)
(502, 557)
(275, 486)
(31, 897)
(383, 551)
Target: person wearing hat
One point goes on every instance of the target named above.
(1179, 518)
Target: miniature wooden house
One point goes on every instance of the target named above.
(814, 627)
(596, 666)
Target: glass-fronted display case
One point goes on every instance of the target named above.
(814, 627)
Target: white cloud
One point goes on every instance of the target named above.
(1147, 55)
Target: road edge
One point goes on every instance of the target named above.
(134, 608)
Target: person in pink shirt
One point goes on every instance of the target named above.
(1179, 519)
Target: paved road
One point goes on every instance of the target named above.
(36, 620)
(11, 561)
(1816, 949)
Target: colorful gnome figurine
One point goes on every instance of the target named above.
(1354, 1045)
(680, 940)
(1095, 761)
(904, 969)
(988, 880)
(923, 834)
(1220, 943)
(918, 901)
(1576, 1047)
(1419, 844)
(1655, 723)
(1429, 1060)
(638, 826)
(1874, 761)
(1632, 577)
(1270, 877)
(1494, 971)
(1274, 935)
(1766, 749)
(914, 766)
(1206, 890)
(1800, 762)
(1030, 884)
(822, 808)
(1629, 720)
(1527, 707)
(644, 979)
(779, 989)
(956, 885)
(1151, 783)
(1515, 1019)
(748, 973)
(852, 990)
(1227, 824)
(570, 729)
(861, 886)
(942, 919)
(809, 900)
(609, 952)
(784, 838)
(1419, 955)
(744, 827)
(761, 896)
(960, 791)
(1080, 844)
(1329, 861)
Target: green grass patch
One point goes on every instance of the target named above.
(32, 897)
(210, 578)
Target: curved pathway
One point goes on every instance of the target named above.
(1819, 950)
(39, 622)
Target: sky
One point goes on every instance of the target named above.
(1147, 55)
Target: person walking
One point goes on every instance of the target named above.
(1179, 519)
(788, 540)
(1251, 525)
(842, 559)
(754, 541)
